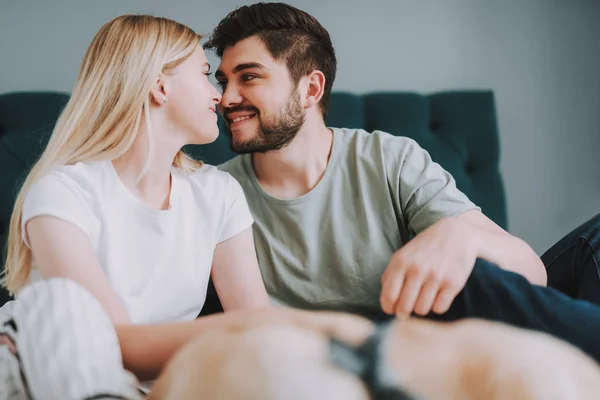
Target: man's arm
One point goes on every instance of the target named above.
(497, 246)
(429, 271)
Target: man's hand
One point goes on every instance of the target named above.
(429, 271)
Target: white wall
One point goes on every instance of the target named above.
(541, 57)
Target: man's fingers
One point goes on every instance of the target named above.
(444, 299)
(408, 294)
(390, 289)
(427, 297)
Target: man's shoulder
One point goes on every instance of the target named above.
(376, 144)
(237, 167)
(359, 136)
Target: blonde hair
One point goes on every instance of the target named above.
(101, 120)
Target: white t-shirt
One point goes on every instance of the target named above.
(157, 261)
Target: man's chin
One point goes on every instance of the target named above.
(248, 148)
(242, 142)
(259, 143)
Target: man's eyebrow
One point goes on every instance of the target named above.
(243, 66)
(240, 67)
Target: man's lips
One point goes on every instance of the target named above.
(235, 117)
(235, 112)
(240, 119)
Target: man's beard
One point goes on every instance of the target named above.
(272, 135)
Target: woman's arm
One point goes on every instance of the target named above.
(63, 250)
(146, 349)
(237, 278)
(236, 274)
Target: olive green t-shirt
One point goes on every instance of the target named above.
(328, 248)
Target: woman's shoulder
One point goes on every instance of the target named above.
(209, 176)
(83, 178)
(68, 192)
(214, 185)
(220, 197)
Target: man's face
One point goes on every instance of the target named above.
(261, 106)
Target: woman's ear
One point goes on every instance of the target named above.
(315, 88)
(158, 93)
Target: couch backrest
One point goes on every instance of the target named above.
(458, 128)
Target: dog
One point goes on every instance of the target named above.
(346, 357)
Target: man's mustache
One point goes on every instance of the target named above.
(233, 109)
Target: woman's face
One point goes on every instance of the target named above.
(192, 99)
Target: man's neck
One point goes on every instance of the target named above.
(297, 168)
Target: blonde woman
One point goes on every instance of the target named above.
(116, 227)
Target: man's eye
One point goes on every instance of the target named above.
(246, 78)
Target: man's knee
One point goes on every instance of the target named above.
(592, 231)
(484, 270)
(487, 277)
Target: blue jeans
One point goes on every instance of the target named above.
(572, 263)
(568, 308)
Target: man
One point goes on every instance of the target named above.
(357, 221)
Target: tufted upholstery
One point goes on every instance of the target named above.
(458, 129)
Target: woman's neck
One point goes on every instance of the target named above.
(154, 186)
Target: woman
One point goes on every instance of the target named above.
(114, 206)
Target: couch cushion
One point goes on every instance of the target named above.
(26, 120)
(458, 129)
(347, 110)
(30, 111)
(18, 153)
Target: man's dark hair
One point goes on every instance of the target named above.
(290, 35)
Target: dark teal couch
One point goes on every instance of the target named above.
(458, 128)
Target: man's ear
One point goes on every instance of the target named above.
(158, 92)
(315, 82)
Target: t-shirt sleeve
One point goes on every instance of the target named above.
(59, 197)
(426, 192)
(237, 216)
